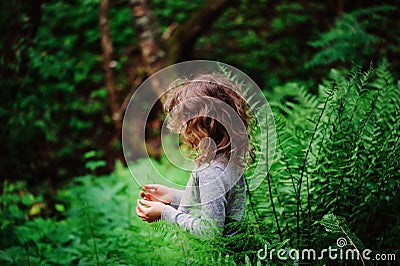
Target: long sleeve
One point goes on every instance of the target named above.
(202, 208)
(176, 197)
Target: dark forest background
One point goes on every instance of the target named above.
(68, 69)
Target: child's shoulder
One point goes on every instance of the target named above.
(219, 167)
(227, 173)
(219, 163)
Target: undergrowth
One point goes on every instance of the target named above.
(335, 175)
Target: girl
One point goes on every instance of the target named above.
(212, 118)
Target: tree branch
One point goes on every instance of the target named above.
(181, 42)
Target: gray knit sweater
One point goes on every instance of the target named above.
(213, 200)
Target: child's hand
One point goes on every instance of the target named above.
(157, 192)
(150, 213)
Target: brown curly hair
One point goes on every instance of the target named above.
(210, 115)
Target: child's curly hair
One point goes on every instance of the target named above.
(210, 115)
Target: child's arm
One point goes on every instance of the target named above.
(161, 193)
(211, 218)
(150, 207)
(176, 197)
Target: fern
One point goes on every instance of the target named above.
(335, 153)
(339, 230)
(335, 174)
(351, 39)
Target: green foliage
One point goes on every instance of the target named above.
(355, 38)
(336, 168)
(99, 226)
(337, 225)
(266, 40)
(335, 176)
(58, 103)
(92, 160)
(53, 105)
(337, 153)
(169, 12)
(17, 205)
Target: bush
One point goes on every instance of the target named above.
(337, 153)
(335, 174)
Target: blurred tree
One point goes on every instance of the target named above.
(53, 97)
(159, 51)
(177, 44)
(55, 104)
(108, 65)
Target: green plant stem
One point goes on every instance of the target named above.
(253, 209)
(273, 207)
(92, 234)
(303, 169)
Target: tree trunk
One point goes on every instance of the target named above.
(149, 35)
(108, 65)
(340, 8)
(158, 53)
